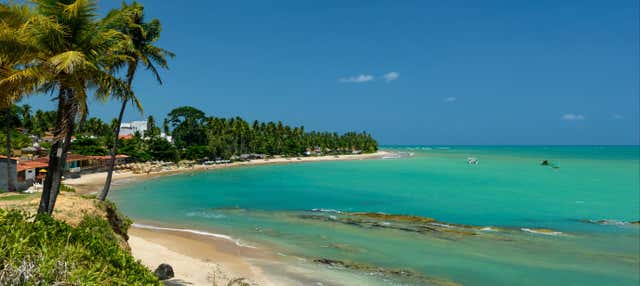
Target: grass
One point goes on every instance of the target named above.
(16, 197)
(43, 251)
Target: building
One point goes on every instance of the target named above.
(30, 171)
(130, 128)
(4, 185)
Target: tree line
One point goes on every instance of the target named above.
(198, 136)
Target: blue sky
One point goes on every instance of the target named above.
(410, 72)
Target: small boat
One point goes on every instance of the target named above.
(472, 161)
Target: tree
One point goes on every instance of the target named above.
(161, 150)
(88, 146)
(71, 53)
(188, 126)
(152, 129)
(14, 50)
(142, 36)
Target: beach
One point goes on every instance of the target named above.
(200, 258)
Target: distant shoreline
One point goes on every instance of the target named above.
(94, 182)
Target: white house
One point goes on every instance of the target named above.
(129, 128)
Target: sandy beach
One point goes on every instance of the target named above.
(93, 183)
(201, 259)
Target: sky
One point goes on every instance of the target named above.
(509, 72)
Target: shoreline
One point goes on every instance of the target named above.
(94, 182)
(203, 258)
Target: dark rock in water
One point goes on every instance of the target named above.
(395, 217)
(545, 163)
(637, 222)
(164, 271)
(375, 270)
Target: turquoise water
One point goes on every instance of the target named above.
(508, 191)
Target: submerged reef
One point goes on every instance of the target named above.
(409, 275)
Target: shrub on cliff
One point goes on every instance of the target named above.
(43, 251)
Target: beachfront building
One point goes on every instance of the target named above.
(130, 128)
(31, 171)
(4, 184)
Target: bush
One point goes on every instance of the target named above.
(68, 189)
(43, 251)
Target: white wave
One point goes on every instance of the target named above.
(326, 210)
(544, 232)
(193, 231)
(206, 215)
(609, 222)
(488, 228)
(442, 225)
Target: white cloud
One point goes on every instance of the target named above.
(573, 117)
(617, 116)
(356, 79)
(391, 76)
(450, 99)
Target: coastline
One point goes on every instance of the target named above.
(94, 182)
(200, 258)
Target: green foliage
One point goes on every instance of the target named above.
(196, 152)
(89, 146)
(161, 149)
(95, 127)
(68, 189)
(188, 126)
(18, 139)
(225, 138)
(14, 197)
(47, 252)
(135, 148)
(119, 222)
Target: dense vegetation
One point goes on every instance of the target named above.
(197, 136)
(49, 252)
(200, 136)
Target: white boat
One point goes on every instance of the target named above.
(472, 160)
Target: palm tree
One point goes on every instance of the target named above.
(71, 55)
(129, 20)
(14, 50)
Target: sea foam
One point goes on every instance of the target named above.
(541, 231)
(193, 231)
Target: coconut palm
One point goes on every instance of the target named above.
(142, 51)
(14, 50)
(72, 54)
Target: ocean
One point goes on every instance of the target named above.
(424, 215)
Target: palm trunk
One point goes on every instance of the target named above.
(11, 187)
(55, 186)
(56, 151)
(114, 151)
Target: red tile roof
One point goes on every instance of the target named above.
(5, 157)
(44, 162)
(126, 136)
(31, 164)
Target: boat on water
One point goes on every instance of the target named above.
(472, 160)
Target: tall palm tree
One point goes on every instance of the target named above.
(129, 20)
(72, 55)
(14, 50)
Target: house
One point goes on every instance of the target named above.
(4, 184)
(130, 128)
(30, 171)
